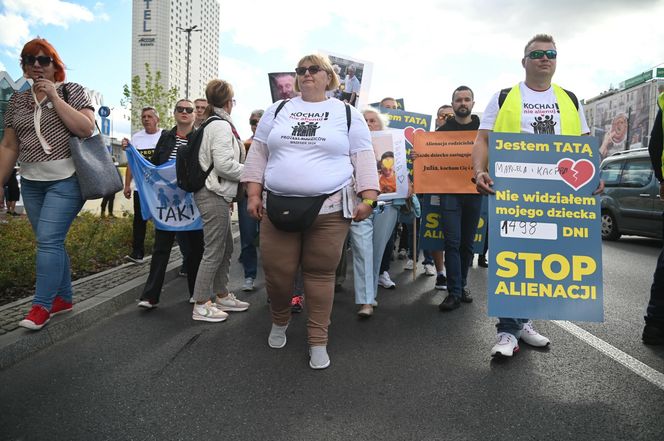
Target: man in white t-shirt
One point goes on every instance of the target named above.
(144, 141)
(351, 85)
(542, 108)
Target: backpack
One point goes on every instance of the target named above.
(190, 176)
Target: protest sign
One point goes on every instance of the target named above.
(444, 163)
(354, 77)
(282, 85)
(390, 152)
(431, 228)
(544, 228)
(169, 207)
(410, 123)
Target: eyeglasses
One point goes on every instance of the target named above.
(446, 116)
(313, 69)
(551, 54)
(182, 109)
(43, 60)
(253, 122)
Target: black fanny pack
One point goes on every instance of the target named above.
(293, 214)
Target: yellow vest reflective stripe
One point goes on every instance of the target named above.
(509, 115)
(660, 102)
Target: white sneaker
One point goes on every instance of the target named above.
(248, 284)
(230, 303)
(207, 312)
(277, 337)
(146, 304)
(318, 357)
(506, 345)
(409, 265)
(429, 270)
(385, 281)
(532, 337)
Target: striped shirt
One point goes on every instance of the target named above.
(180, 141)
(20, 117)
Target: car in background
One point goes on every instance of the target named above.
(630, 201)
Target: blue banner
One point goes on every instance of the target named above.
(544, 228)
(169, 207)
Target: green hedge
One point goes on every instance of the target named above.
(94, 244)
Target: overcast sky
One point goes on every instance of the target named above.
(420, 50)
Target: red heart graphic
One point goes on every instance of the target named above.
(410, 131)
(576, 174)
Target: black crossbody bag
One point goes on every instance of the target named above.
(291, 213)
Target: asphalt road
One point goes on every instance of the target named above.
(408, 373)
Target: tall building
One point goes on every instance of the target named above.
(158, 39)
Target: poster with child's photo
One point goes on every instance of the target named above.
(390, 152)
(354, 79)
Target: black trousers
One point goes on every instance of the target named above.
(161, 253)
(138, 240)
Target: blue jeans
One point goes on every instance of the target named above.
(655, 311)
(510, 325)
(248, 234)
(361, 239)
(51, 207)
(383, 227)
(460, 214)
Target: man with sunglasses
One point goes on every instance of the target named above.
(444, 113)
(532, 106)
(144, 141)
(165, 150)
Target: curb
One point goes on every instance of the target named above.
(21, 343)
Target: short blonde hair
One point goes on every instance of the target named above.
(325, 64)
(542, 38)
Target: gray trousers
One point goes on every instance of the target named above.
(212, 277)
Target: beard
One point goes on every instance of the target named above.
(462, 112)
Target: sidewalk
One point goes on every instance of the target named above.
(95, 298)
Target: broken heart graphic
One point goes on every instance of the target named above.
(410, 131)
(576, 174)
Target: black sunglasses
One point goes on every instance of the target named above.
(313, 69)
(551, 54)
(43, 60)
(253, 122)
(182, 109)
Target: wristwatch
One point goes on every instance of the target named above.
(370, 202)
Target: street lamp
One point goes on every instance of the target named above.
(188, 30)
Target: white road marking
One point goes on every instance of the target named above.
(641, 369)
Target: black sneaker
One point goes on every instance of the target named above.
(136, 258)
(481, 261)
(450, 303)
(441, 281)
(653, 334)
(465, 296)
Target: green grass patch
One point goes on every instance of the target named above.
(94, 244)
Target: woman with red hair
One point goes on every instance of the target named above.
(38, 125)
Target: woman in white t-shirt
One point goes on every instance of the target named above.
(309, 146)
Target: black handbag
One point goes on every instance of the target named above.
(293, 214)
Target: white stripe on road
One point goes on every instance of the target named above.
(631, 363)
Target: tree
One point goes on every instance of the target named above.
(151, 93)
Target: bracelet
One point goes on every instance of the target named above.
(370, 202)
